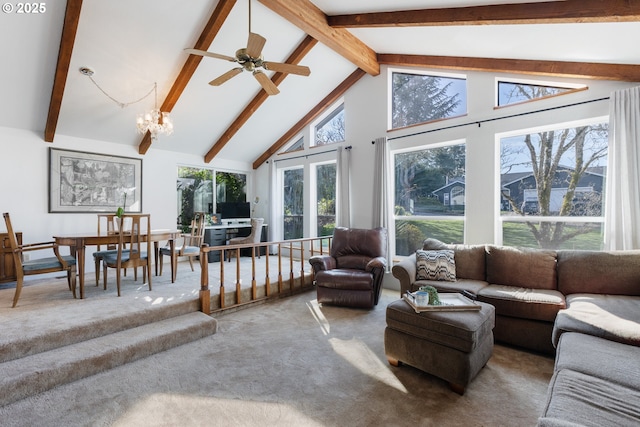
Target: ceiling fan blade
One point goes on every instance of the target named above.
(255, 44)
(281, 67)
(266, 83)
(210, 54)
(226, 76)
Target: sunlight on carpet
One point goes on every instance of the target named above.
(179, 409)
(366, 361)
(314, 308)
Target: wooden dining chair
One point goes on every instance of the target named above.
(38, 265)
(133, 249)
(106, 224)
(190, 245)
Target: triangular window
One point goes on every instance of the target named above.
(296, 146)
(513, 92)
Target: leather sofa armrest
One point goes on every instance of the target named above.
(322, 262)
(405, 272)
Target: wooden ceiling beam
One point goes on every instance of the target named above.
(219, 15)
(313, 21)
(310, 116)
(69, 30)
(303, 48)
(590, 70)
(568, 11)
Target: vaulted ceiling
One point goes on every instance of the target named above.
(130, 45)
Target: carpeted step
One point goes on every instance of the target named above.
(42, 371)
(91, 319)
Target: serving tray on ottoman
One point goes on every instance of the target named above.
(450, 301)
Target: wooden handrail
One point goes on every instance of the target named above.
(305, 247)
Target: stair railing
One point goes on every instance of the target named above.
(296, 251)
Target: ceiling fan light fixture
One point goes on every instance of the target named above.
(250, 58)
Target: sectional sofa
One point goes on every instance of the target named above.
(582, 306)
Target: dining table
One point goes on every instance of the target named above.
(77, 242)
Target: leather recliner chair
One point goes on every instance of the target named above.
(351, 275)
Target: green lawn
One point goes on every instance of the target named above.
(410, 234)
(518, 234)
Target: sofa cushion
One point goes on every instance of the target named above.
(612, 361)
(527, 303)
(527, 268)
(614, 317)
(614, 273)
(470, 262)
(436, 265)
(585, 400)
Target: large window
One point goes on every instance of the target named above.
(419, 98)
(231, 187)
(429, 196)
(551, 187)
(293, 203)
(195, 191)
(325, 198)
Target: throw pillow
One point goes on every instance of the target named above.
(436, 265)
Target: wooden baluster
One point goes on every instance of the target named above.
(238, 287)
(291, 266)
(302, 264)
(222, 278)
(279, 268)
(205, 294)
(267, 284)
(254, 293)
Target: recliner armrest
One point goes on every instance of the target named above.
(405, 272)
(377, 262)
(322, 262)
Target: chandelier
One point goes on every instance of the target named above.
(154, 121)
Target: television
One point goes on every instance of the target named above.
(234, 209)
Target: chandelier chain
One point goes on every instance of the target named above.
(126, 104)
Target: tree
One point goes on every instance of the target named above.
(557, 158)
(333, 130)
(419, 99)
(418, 173)
(231, 187)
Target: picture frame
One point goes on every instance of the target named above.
(83, 182)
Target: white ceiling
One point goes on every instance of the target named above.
(132, 44)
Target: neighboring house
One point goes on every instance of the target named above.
(451, 194)
(521, 187)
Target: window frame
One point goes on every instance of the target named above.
(329, 114)
(501, 219)
(394, 217)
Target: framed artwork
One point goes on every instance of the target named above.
(81, 182)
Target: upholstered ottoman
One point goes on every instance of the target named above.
(452, 345)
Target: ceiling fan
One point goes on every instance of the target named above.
(250, 59)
